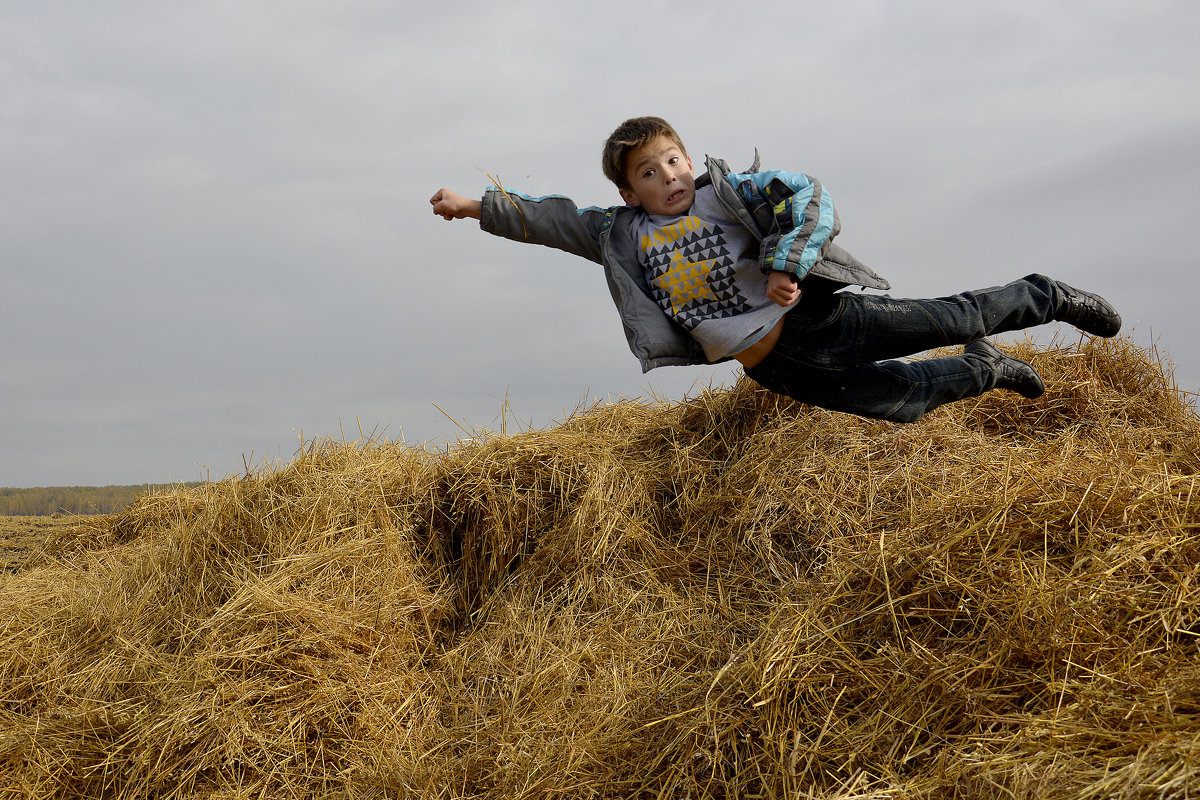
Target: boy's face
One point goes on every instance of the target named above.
(660, 178)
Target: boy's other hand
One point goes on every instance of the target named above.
(783, 288)
(451, 205)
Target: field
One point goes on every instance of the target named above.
(22, 537)
(734, 595)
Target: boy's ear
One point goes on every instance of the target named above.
(630, 197)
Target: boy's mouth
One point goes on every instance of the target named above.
(676, 196)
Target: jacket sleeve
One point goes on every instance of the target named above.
(795, 215)
(553, 221)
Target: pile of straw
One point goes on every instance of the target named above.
(732, 596)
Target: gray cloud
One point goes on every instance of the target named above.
(216, 235)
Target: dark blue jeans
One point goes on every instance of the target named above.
(834, 347)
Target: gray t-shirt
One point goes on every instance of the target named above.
(703, 271)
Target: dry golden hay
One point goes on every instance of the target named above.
(731, 596)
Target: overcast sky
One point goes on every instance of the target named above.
(215, 236)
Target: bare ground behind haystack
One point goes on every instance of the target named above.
(21, 537)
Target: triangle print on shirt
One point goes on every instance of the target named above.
(691, 270)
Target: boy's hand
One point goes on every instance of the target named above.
(451, 205)
(783, 288)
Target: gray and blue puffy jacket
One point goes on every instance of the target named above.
(790, 214)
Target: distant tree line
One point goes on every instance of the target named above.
(47, 500)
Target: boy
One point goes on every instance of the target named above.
(743, 265)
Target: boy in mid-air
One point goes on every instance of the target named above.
(743, 265)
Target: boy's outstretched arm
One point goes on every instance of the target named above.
(554, 221)
(451, 205)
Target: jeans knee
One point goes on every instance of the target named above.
(906, 414)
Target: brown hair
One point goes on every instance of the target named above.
(629, 136)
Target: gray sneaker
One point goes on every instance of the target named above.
(1089, 312)
(1012, 374)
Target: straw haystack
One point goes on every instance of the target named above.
(732, 596)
